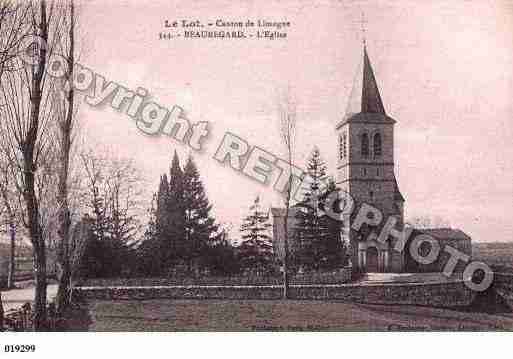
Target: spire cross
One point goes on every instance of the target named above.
(363, 28)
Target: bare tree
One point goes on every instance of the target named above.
(82, 233)
(287, 116)
(66, 117)
(9, 215)
(113, 197)
(94, 192)
(26, 128)
(13, 17)
(123, 201)
(12, 28)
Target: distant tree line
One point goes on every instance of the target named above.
(182, 236)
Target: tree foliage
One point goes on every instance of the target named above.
(199, 225)
(255, 251)
(181, 230)
(318, 234)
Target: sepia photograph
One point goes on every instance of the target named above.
(255, 166)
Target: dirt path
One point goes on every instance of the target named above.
(15, 298)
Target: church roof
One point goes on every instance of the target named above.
(365, 95)
(365, 102)
(397, 193)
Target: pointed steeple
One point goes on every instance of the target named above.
(365, 97)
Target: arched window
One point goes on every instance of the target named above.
(342, 145)
(365, 145)
(377, 145)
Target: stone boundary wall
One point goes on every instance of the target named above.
(503, 279)
(447, 294)
(503, 286)
(343, 275)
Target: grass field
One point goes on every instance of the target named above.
(224, 315)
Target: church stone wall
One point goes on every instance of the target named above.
(358, 175)
(383, 195)
(356, 129)
(397, 260)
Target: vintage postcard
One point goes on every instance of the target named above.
(251, 166)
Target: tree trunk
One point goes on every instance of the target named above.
(286, 257)
(285, 242)
(1, 313)
(65, 218)
(286, 225)
(12, 262)
(40, 296)
(62, 299)
(39, 250)
(29, 192)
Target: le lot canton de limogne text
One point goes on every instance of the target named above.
(236, 29)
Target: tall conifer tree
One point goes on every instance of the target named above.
(183, 224)
(332, 249)
(173, 233)
(162, 199)
(311, 229)
(150, 251)
(199, 225)
(256, 247)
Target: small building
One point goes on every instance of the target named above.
(454, 238)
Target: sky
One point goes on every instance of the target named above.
(444, 69)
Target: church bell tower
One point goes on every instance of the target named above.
(365, 169)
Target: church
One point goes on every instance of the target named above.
(365, 170)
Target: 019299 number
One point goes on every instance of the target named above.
(19, 348)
